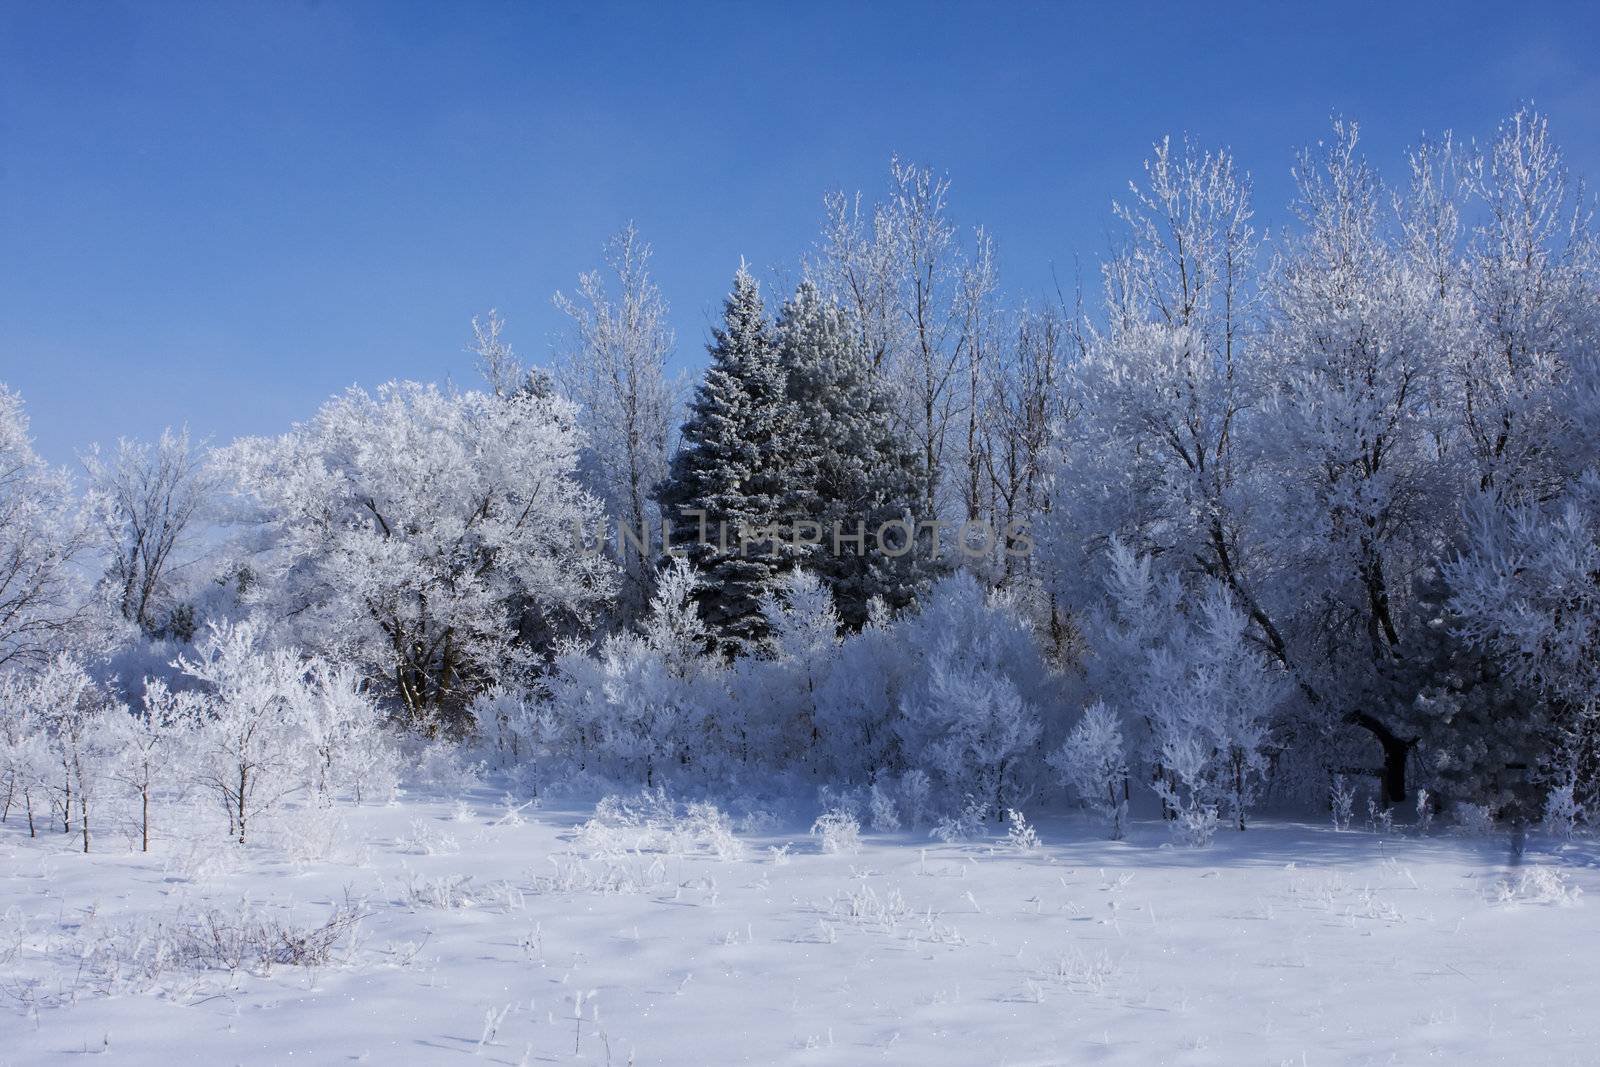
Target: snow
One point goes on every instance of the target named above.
(1287, 943)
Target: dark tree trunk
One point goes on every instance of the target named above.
(1396, 749)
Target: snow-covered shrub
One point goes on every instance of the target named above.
(424, 839)
(73, 713)
(881, 808)
(1184, 785)
(341, 727)
(802, 642)
(506, 722)
(837, 831)
(1020, 837)
(641, 706)
(652, 821)
(1424, 810)
(24, 756)
(246, 738)
(1091, 763)
(964, 824)
(916, 796)
(1182, 662)
(966, 717)
(243, 939)
(1341, 802)
(1538, 885)
(1561, 809)
(1474, 819)
(148, 743)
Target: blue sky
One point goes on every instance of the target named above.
(219, 214)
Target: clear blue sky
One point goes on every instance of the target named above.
(220, 213)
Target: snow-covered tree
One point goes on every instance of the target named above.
(246, 730)
(24, 755)
(41, 535)
(72, 711)
(1162, 388)
(340, 728)
(148, 745)
(615, 369)
(918, 301)
(1356, 447)
(1092, 763)
(970, 714)
(725, 495)
(149, 502)
(850, 470)
(439, 540)
(1186, 667)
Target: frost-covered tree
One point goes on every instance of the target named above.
(1357, 448)
(850, 470)
(614, 367)
(1162, 388)
(1186, 667)
(802, 641)
(1025, 414)
(41, 535)
(725, 495)
(918, 301)
(149, 503)
(148, 745)
(245, 740)
(970, 712)
(340, 729)
(24, 758)
(1531, 272)
(72, 711)
(439, 540)
(1092, 763)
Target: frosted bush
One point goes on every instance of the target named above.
(1091, 763)
(651, 821)
(1195, 827)
(424, 839)
(573, 872)
(1424, 810)
(505, 722)
(882, 809)
(1538, 885)
(445, 892)
(1341, 803)
(964, 825)
(1475, 819)
(916, 796)
(838, 831)
(443, 765)
(1561, 809)
(1020, 837)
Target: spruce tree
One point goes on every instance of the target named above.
(847, 467)
(726, 488)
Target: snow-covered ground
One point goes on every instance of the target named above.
(486, 931)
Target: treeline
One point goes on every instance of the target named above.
(1263, 516)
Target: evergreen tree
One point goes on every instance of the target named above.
(725, 493)
(847, 467)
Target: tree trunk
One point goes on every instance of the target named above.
(244, 780)
(1395, 751)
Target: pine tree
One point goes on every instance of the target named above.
(725, 493)
(848, 469)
